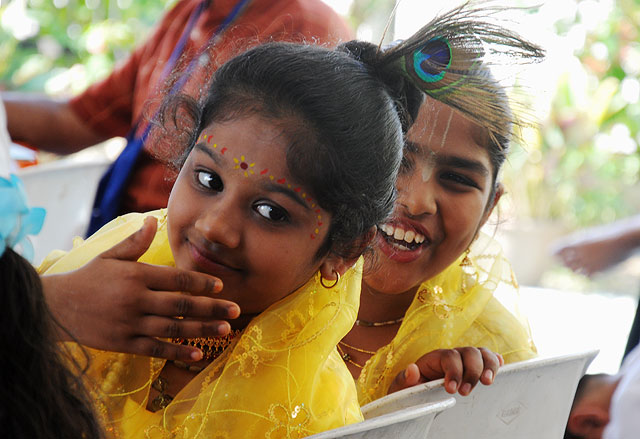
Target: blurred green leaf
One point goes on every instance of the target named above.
(73, 35)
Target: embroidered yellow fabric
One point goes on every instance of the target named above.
(282, 378)
(471, 304)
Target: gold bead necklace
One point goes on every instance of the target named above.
(347, 358)
(211, 347)
(367, 324)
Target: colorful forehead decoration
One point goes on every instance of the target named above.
(243, 165)
(246, 167)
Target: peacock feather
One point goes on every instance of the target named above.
(453, 57)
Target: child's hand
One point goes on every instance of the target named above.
(461, 368)
(115, 303)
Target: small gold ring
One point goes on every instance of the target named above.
(333, 284)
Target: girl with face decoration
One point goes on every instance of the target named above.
(285, 168)
(429, 303)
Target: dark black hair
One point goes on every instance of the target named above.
(40, 396)
(344, 116)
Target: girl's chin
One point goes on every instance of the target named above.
(391, 284)
(392, 279)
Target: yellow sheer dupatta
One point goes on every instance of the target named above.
(282, 378)
(471, 303)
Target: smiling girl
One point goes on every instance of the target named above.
(440, 299)
(285, 169)
(436, 274)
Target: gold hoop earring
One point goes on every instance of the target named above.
(333, 284)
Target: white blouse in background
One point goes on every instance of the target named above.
(625, 405)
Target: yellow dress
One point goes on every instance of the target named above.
(473, 304)
(282, 378)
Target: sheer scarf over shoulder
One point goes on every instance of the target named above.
(282, 378)
(474, 302)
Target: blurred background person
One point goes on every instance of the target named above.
(606, 406)
(200, 33)
(599, 248)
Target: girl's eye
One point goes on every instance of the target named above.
(459, 179)
(272, 213)
(210, 180)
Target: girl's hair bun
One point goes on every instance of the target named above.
(365, 52)
(406, 96)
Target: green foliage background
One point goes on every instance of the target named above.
(75, 41)
(581, 166)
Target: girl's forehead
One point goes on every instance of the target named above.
(439, 130)
(256, 149)
(250, 137)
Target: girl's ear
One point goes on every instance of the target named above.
(340, 264)
(499, 193)
(336, 264)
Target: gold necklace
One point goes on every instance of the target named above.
(365, 323)
(347, 358)
(163, 399)
(211, 347)
(364, 351)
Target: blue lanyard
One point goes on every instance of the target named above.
(106, 205)
(177, 51)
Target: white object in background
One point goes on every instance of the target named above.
(625, 403)
(66, 189)
(5, 142)
(409, 423)
(528, 400)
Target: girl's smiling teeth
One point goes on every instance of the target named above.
(400, 237)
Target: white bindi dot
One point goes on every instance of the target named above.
(427, 169)
(427, 172)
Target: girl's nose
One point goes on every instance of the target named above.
(221, 224)
(418, 195)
